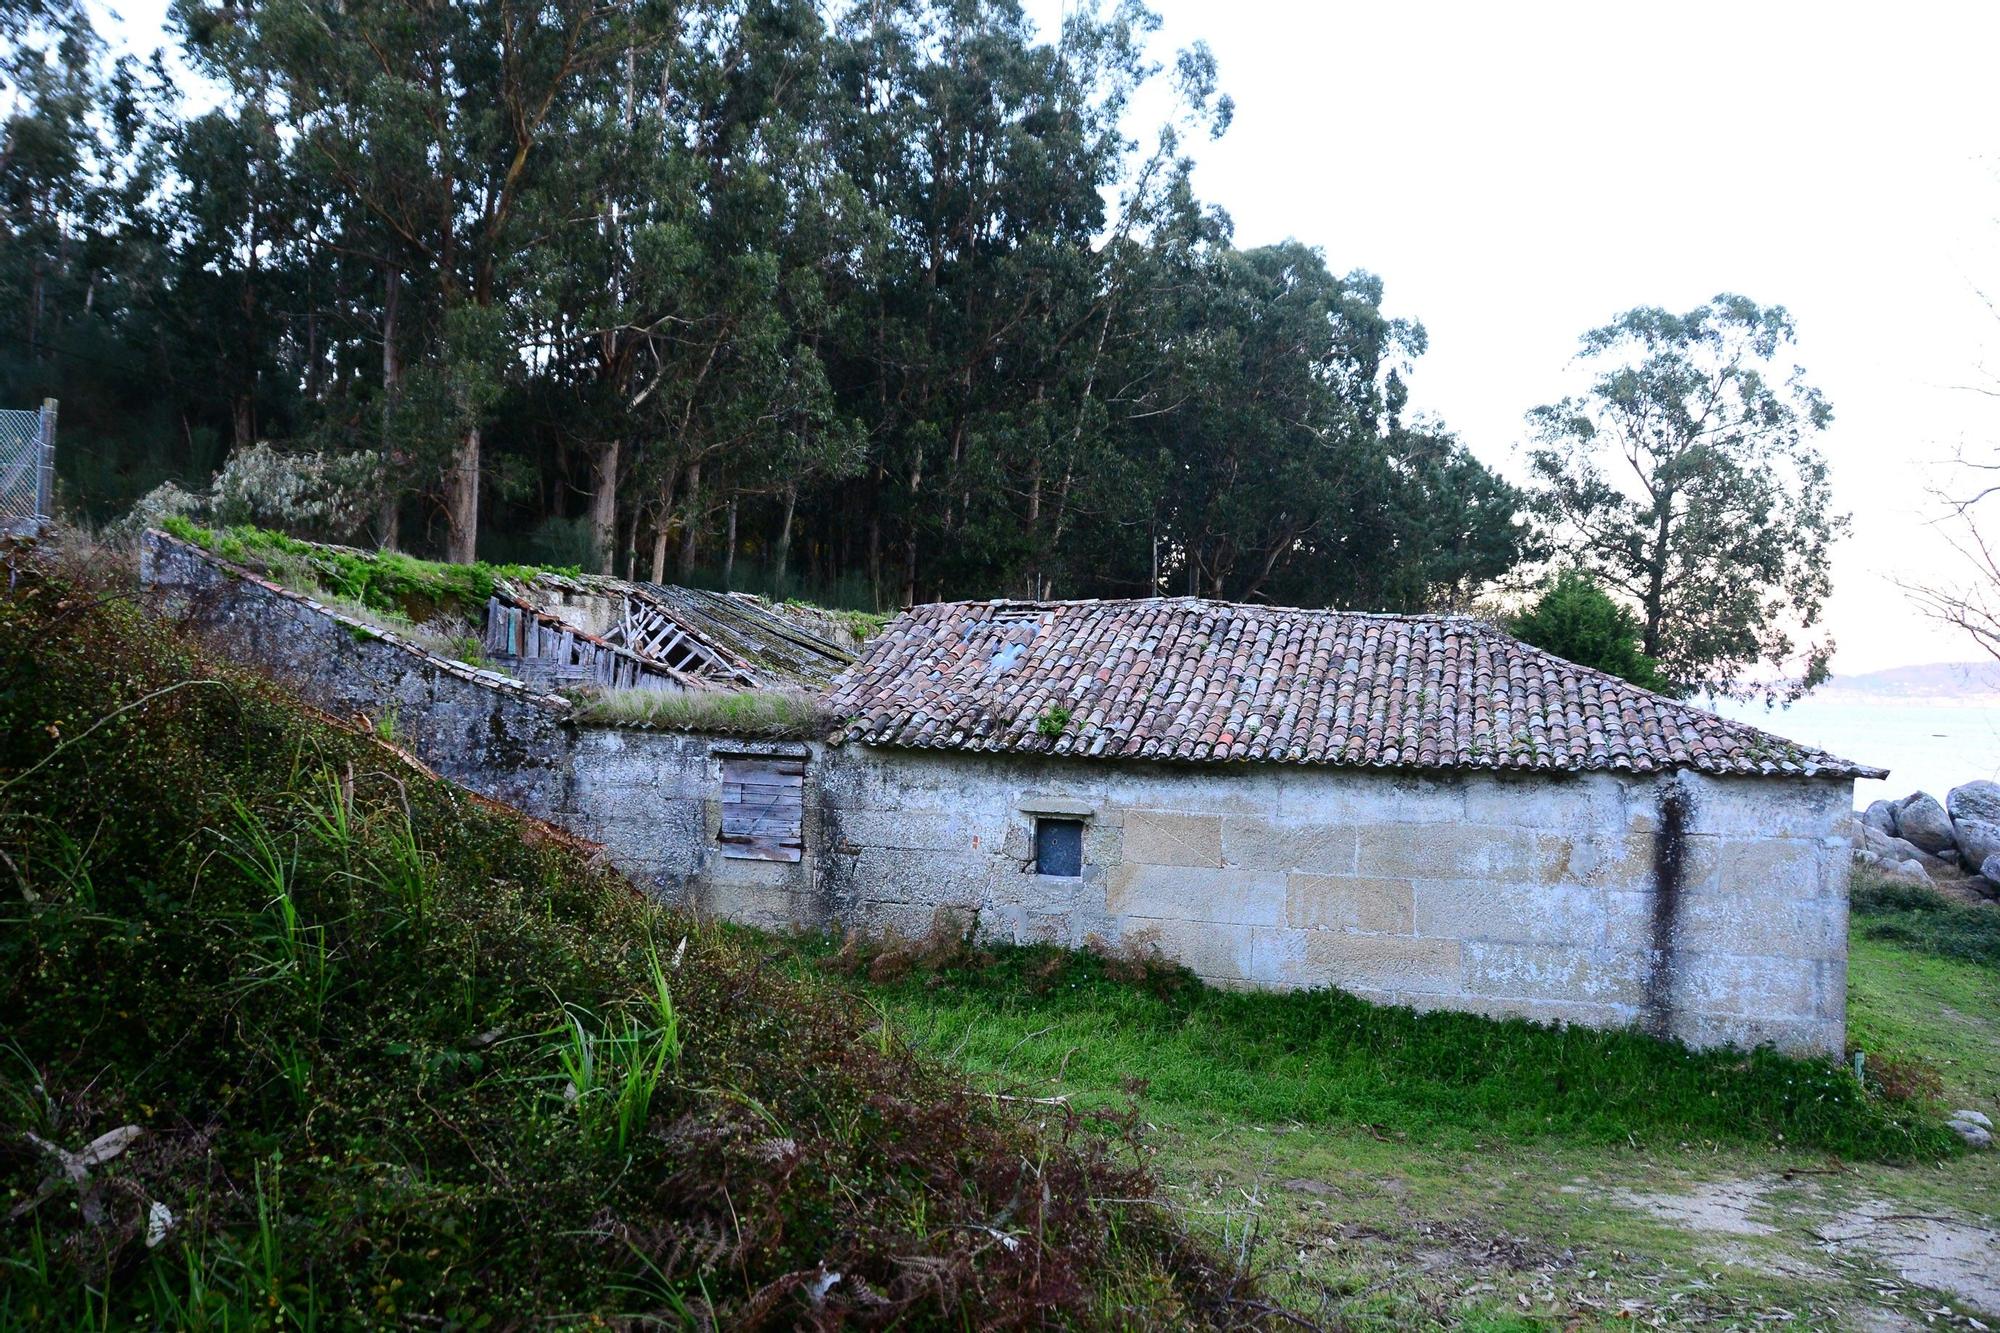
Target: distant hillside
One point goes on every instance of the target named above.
(1937, 680)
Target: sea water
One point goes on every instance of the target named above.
(1927, 745)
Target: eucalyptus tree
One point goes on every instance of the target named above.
(437, 120)
(984, 154)
(1687, 479)
(81, 159)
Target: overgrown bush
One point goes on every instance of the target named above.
(329, 493)
(1924, 919)
(297, 1035)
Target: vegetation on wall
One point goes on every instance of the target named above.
(299, 1036)
(385, 581)
(775, 713)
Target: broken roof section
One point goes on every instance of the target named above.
(1195, 680)
(688, 638)
(556, 630)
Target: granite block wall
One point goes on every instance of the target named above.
(1713, 910)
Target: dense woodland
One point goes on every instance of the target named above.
(870, 302)
(880, 301)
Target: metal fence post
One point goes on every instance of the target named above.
(45, 480)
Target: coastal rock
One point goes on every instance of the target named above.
(1882, 815)
(1978, 842)
(1974, 800)
(1892, 848)
(1905, 872)
(1921, 820)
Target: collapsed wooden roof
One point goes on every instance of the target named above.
(616, 633)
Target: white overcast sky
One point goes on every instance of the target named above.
(1518, 173)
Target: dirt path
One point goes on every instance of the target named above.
(1365, 1233)
(1804, 1225)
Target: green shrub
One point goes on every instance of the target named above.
(397, 1057)
(1921, 918)
(1578, 621)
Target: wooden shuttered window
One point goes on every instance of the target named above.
(763, 808)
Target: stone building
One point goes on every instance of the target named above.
(1417, 809)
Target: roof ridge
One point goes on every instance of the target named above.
(1270, 607)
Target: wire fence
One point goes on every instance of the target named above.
(27, 469)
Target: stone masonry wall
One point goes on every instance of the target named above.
(476, 727)
(1709, 909)
(1713, 910)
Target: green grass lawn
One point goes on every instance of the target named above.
(1039, 1019)
(1915, 1008)
(1388, 1170)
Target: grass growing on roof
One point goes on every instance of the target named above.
(390, 1055)
(384, 581)
(777, 713)
(1046, 1020)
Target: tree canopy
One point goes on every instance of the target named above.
(1687, 480)
(884, 302)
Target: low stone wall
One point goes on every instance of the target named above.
(1712, 910)
(478, 728)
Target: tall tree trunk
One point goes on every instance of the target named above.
(729, 551)
(604, 505)
(910, 540)
(461, 501)
(785, 536)
(389, 522)
(663, 523)
(1656, 584)
(688, 529)
(243, 428)
(875, 554)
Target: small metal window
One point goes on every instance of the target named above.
(1059, 847)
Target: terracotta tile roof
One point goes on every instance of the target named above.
(1187, 679)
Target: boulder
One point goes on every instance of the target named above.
(1978, 841)
(1906, 872)
(1974, 800)
(1921, 820)
(1989, 870)
(1891, 848)
(1973, 1127)
(1881, 815)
